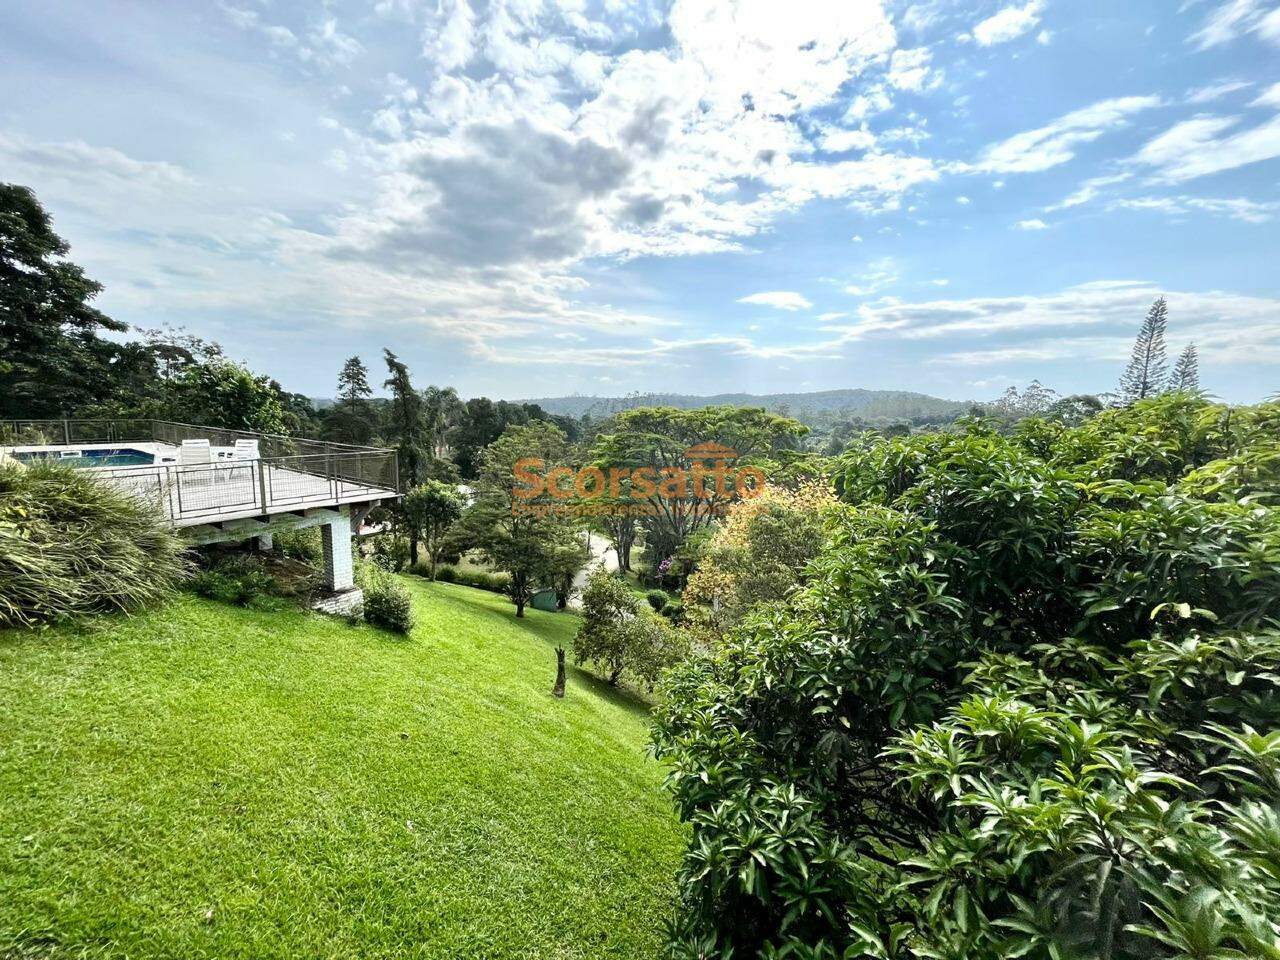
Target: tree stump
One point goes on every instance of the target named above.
(558, 689)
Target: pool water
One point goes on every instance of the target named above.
(93, 458)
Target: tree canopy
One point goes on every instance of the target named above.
(51, 357)
(1022, 706)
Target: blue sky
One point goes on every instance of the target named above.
(525, 197)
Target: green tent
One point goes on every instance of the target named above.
(544, 600)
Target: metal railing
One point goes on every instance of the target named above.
(289, 471)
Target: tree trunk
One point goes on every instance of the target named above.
(558, 689)
(520, 608)
(613, 677)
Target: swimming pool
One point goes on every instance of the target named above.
(118, 457)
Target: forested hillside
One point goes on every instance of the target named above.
(809, 408)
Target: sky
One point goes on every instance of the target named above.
(529, 198)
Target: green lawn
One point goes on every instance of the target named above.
(205, 781)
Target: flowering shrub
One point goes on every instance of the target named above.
(758, 556)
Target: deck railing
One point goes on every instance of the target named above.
(289, 472)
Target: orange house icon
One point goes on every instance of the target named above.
(710, 450)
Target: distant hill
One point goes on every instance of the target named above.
(811, 408)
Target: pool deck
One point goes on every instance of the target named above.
(163, 452)
(223, 490)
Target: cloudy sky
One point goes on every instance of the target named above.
(531, 197)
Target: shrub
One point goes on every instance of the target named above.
(446, 574)
(390, 550)
(1025, 705)
(238, 580)
(302, 545)
(657, 599)
(619, 633)
(482, 580)
(673, 610)
(386, 600)
(757, 557)
(71, 545)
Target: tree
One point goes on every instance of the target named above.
(52, 361)
(620, 633)
(1012, 712)
(441, 410)
(430, 509)
(617, 524)
(406, 423)
(351, 418)
(567, 556)
(519, 536)
(223, 393)
(658, 440)
(1186, 372)
(353, 383)
(757, 556)
(1144, 376)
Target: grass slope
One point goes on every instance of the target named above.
(205, 781)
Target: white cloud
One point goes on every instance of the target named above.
(1008, 24)
(878, 276)
(1232, 19)
(779, 300)
(1236, 208)
(1216, 91)
(1033, 224)
(1269, 97)
(448, 39)
(909, 70)
(1090, 321)
(839, 140)
(1088, 191)
(334, 44)
(100, 168)
(1055, 143)
(963, 201)
(1197, 147)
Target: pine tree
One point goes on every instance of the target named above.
(1186, 372)
(1144, 377)
(353, 383)
(406, 422)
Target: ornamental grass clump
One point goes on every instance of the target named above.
(71, 545)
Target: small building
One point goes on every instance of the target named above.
(215, 485)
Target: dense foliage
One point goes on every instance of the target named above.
(620, 633)
(1025, 706)
(532, 548)
(658, 439)
(237, 579)
(70, 545)
(50, 354)
(758, 556)
(386, 599)
(429, 510)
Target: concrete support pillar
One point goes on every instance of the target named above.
(266, 541)
(339, 574)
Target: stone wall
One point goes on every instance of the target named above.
(344, 603)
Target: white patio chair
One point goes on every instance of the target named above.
(245, 450)
(195, 454)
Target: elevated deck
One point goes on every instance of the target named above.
(288, 474)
